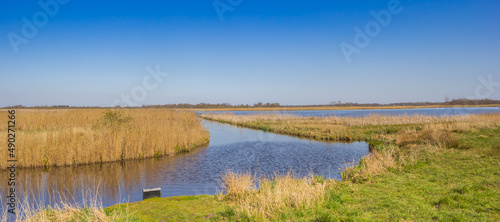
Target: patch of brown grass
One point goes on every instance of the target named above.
(275, 195)
(440, 138)
(90, 209)
(59, 137)
(371, 165)
(238, 185)
(448, 122)
(390, 157)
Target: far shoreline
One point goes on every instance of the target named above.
(304, 108)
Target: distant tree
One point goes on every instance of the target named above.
(446, 98)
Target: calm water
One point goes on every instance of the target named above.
(359, 113)
(198, 172)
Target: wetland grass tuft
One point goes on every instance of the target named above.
(276, 196)
(238, 185)
(89, 209)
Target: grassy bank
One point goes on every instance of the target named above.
(58, 137)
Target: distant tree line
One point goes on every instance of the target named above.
(44, 106)
(473, 102)
(211, 106)
(454, 102)
(451, 103)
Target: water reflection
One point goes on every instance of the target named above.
(194, 173)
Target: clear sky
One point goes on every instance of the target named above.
(85, 53)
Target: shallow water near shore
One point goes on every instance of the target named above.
(197, 172)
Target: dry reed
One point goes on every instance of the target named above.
(275, 196)
(371, 165)
(69, 137)
(32, 209)
(467, 121)
(372, 127)
(237, 185)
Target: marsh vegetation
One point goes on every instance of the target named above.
(420, 168)
(61, 137)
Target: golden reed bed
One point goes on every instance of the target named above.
(58, 137)
(369, 128)
(371, 120)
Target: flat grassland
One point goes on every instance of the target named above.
(59, 137)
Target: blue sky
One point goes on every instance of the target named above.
(89, 53)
